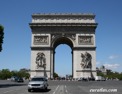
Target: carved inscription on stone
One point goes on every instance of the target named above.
(85, 40)
(41, 40)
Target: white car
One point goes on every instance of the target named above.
(37, 83)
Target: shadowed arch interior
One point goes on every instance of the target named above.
(63, 40)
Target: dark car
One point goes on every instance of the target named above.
(19, 79)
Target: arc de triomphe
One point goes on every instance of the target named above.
(75, 30)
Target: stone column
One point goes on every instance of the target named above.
(51, 63)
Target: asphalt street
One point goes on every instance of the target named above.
(63, 87)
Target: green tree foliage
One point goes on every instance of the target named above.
(101, 74)
(1, 36)
(111, 75)
(6, 73)
(23, 73)
(14, 73)
(55, 75)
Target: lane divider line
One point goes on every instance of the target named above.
(66, 89)
(56, 89)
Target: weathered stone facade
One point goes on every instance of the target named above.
(75, 30)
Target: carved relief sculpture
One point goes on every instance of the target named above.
(86, 60)
(41, 60)
(72, 36)
(85, 40)
(40, 40)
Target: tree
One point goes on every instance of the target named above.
(55, 75)
(100, 74)
(14, 73)
(24, 73)
(1, 36)
(5, 73)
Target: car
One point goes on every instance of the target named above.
(14, 78)
(19, 79)
(82, 79)
(38, 83)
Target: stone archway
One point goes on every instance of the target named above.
(62, 40)
(75, 30)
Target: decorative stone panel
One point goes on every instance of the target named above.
(41, 40)
(85, 40)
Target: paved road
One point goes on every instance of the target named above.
(62, 87)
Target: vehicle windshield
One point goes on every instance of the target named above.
(37, 79)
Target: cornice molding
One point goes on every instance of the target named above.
(64, 24)
(84, 48)
(85, 70)
(41, 48)
(63, 14)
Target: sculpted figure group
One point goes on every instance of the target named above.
(86, 60)
(41, 60)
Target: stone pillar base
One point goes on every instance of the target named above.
(86, 73)
(37, 72)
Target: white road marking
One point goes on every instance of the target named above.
(66, 89)
(56, 89)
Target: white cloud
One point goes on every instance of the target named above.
(113, 57)
(98, 62)
(111, 66)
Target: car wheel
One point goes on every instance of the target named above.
(29, 90)
(45, 88)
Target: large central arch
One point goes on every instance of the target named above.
(62, 40)
(75, 30)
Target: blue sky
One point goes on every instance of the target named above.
(15, 16)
